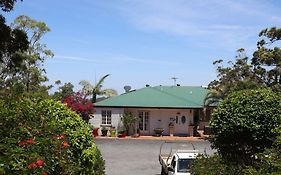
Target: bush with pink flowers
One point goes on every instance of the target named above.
(78, 103)
(45, 137)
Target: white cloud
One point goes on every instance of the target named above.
(127, 59)
(72, 58)
(230, 22)
(224, 27)
(113, 59)
(276, 19)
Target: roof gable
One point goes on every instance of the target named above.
(159, 97)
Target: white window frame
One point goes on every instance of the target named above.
(106, 117)
(144, 120)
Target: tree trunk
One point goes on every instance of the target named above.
(94, 99)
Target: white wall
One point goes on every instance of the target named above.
(160, 118)
(116, 114)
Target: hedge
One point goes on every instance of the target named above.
(45, 137)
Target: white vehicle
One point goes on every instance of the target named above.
(175, 158)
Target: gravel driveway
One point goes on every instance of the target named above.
(138, 157)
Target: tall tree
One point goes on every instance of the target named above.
(36, 54)
(267, 59)
(96, 89)
(239, 75)
(263, 70)
(13, 42)
(64, 91)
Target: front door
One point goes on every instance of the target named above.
(181, 125)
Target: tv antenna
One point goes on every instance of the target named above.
(175, 80)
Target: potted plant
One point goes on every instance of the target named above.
(171, 129)
(190, 129)
(112, 132)
(95, 132)
(158, 131)
(104, 131)
(122, 133)
(129, 121)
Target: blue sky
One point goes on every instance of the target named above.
(143, 42)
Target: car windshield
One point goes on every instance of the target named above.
(184, 165)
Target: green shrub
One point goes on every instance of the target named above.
(268, 162)
(208, 165)
(216, 165)
(45, 137)
(246, 123)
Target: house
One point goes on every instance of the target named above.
(156, 107)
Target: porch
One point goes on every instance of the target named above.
(177, 122)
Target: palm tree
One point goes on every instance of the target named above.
(213, 97)
(96, 90)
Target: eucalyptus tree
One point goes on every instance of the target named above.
(239, 75)
(267, 58)
(33, 73)
(262, 70)
(13, 42)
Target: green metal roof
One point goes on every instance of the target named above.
(159, 97)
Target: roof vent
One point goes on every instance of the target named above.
(178, 85)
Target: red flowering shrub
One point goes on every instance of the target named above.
(80, 105)
(32, 165)
(39, 163)
(65, 144)
(45, 137)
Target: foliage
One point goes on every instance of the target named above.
(7, 5)
(35, 31)
(45, 137)
(208, 165)
(129, 121)
(267, 59)
(271, 157)
(32, 73)
(80, 105)
(12, 43)
(22, 56)
(96, 90)
(262, 70)
(238, 76)
(246, 123)
(64, 91)
(267, 163)
(19, 66)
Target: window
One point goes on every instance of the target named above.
(173, 163)
(143, 120)
(106, 117)
(184, 165)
